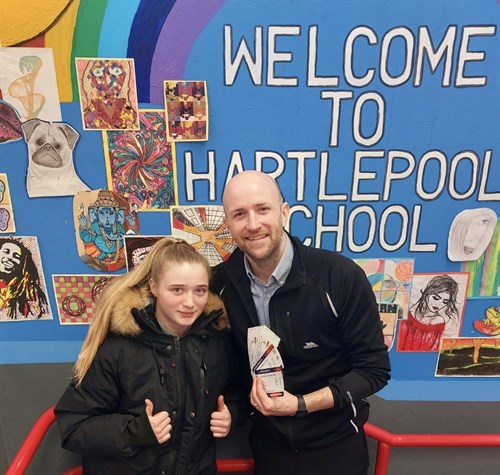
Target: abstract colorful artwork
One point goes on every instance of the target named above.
(469, 357)
(76, 296)
(141, 166)
(7, 224)
(137, 248)
(108, 96)
(23, 292)
(102, 218)
(28, 82)
(186, 106)
(391, 280)
(203, 227)
(437, 304)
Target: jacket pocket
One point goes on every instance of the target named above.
(284, 331)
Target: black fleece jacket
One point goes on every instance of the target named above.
(331, 335)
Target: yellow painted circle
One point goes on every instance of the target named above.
(22, 20)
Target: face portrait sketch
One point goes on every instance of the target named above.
(23, 294)
(470, 234)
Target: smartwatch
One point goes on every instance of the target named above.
(301, 407)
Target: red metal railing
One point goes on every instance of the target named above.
(34, 438)
(31, 443)
(385, 441)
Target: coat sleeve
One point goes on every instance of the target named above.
(361, 335)
(89, 419)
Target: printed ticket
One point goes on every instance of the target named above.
(265, 359)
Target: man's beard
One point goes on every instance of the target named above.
(270, 256)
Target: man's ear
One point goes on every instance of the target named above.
(285, 214)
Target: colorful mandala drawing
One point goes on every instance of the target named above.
(141, 165)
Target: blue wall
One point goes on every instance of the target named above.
(273, 114)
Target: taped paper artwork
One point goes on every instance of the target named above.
(391, 281)
(28, 82)
(102, 218)
(186, 105)
(469, 357)
(141, 166)
(389, 316)
(203, 227)
(437, 305)
(137, 248)
(23, 292)
(108, 94)
(10, 123)
(7, 224)
(76, 296)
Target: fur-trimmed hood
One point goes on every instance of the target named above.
(123, 322)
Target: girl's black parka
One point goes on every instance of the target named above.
(104, 418)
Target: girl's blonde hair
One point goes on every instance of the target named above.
(165, 252)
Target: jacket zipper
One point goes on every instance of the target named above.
(203, 370)
(176, 440)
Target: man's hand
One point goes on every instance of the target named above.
(285, 405)
(160, 422)
(220, 421)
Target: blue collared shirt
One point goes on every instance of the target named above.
(262, 292)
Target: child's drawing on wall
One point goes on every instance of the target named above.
(28, 82)
(391, 281)
(490, 324)
(76, 295)
(23, 293)
(186, 106)
(389, 316)
(137, 248)
(470, 234)
(108, 96)
(10, 123)
(102, 219)
(436, 307)
(141, 165)
(7, 224)
(484, 272)
(204, 228)
(469, 357)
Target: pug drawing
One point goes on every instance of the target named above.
(51, 171)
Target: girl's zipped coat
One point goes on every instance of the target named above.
(105, 420)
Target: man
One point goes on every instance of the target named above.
(322, 307)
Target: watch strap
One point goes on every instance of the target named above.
(301, 406)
